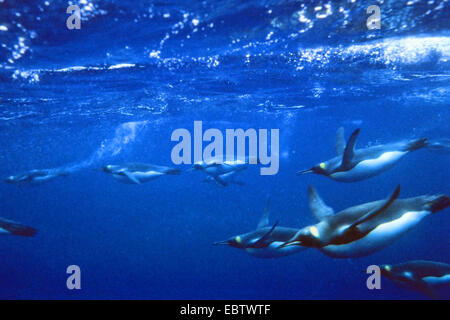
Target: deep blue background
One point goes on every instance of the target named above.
(154, 240)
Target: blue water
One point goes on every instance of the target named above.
(115, 90)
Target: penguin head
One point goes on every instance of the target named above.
(251, 240)
(108, 168)
(395, 274)
(386, 270)
(239, 242)
(10, 179)
(322, 168)
(306, 237)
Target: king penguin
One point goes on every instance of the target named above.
(425, 276)
(35, 177)
(367, 228)
(265, 240)
(225, 179)
(216, 169)
(8, 227)
(137, 173)
(352, 165)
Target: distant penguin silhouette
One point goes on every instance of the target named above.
(137, 173)
(352, 165)
(364, 229)
(226, 179)
(265, 240)
(216, 169)
(35, 177)
(8, 227)
(424, 276)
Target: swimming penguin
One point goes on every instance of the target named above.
(14, 228)
(226, 178)
(421, 275)
(265, 240)
(364, 229)
(352, 165)
(34, 177)
(137, 173)
(216, 168)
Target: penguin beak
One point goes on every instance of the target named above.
(290, 243)
(221, 243)
(305, 171)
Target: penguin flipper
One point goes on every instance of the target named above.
(130, 176)
(264, 221)
(340, 141)
(161, 169)
(376, 211)
(219, 180)
(261, 242)
(318, 208)
(349, 152)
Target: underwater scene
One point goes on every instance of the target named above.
(204, 150)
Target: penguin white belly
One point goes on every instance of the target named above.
(272, 250)
(223, 169)
(147, 176)
(3, 231)
(380, 237)
(445, 279)
(139, 176)
(43, 178)
(369, 167)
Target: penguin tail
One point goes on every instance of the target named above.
(439, 203)
(417, 144)
(17, 228)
